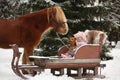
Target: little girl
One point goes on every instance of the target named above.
(72, 47)
(77, 40)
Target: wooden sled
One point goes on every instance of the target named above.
(87, 57)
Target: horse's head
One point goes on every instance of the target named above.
(58, 20)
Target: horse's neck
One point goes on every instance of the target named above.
(39, 19)
(36, 16)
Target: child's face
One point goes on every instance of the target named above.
(72, 39)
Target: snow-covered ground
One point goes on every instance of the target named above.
(112, 70)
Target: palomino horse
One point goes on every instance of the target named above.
(26, 31)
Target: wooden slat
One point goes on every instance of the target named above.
(73, 61)
(62, 60)
(38, 57)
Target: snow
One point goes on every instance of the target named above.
(111, 71)
(24, 1)
(48, 76)
(5, 68)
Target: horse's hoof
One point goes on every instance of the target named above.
(34, 73)
(25, 72)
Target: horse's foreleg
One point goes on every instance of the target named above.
(25, 59)
(27, 52)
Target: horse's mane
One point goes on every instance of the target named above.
(51, 12)
(57, 12)
(60, 15)
(33, 14)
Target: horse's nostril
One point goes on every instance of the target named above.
(66, 31)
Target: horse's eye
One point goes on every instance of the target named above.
(62, 23)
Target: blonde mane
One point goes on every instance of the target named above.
(60, 16)
(57, 13)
